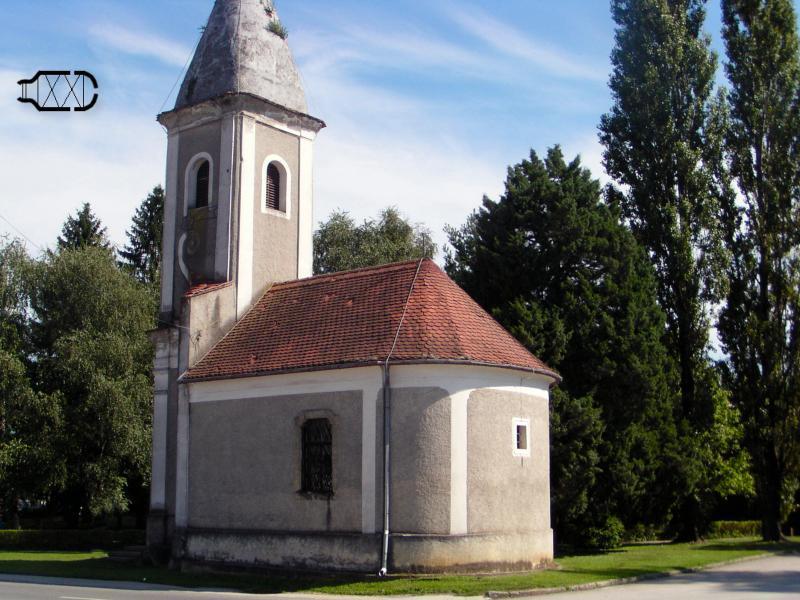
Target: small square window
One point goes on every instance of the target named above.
(521, 437)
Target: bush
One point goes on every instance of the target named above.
(606, 537)
(65, 539)
(734, 529)
(643, 533)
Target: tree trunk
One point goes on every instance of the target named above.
(12, 514)
(687, 521)
(771, 504)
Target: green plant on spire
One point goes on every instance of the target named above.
(276, 27)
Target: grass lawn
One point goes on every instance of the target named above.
(627, 562)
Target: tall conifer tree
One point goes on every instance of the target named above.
(552, 262)
(760, 327)
(142, 253)
(655, 137)
(82, 230)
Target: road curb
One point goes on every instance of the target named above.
(583, 587)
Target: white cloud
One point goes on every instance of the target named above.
(513, 42)
(139, 43)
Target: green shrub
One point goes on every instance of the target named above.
(642, 533)
(734, 529)
(606, 537)
(66, 539)
(278, 29)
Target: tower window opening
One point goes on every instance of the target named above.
(273, 194)
(202, 185)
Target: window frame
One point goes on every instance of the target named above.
(190, 182)
(306, 484)
(285, 200)
(516, 423)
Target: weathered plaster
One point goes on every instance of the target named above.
(238, 54)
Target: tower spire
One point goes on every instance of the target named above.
(243, 51)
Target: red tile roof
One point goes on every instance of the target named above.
(205, 288)
(352, 319)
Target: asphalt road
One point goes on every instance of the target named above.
(776, 578)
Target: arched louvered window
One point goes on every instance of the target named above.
(317, 459)
(273, 197)
(202, 185)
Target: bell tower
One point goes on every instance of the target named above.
(238, 216)
(239, 162)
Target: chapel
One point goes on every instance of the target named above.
(370, 421)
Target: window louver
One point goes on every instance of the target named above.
(273, 187)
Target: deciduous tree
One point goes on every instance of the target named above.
(760, 325)
(656, 139)
(340, 244)
(90, 327)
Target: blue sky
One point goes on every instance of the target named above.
(427, 102)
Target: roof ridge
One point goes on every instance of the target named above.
(348, 274)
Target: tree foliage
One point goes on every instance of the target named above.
(142, 253)
(657, 137)
(760, 324)
(83, 229)
(552, 262)
(29, 421)
(341, 245)
(90, 330)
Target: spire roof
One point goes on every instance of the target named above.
(240, 53)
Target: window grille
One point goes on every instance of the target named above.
(317, 462)
(273, 187)
(201, 188)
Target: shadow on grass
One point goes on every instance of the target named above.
(755, 546)
(103, 569)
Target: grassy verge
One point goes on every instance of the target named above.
(575, 570)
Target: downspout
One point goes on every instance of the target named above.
(387, 431)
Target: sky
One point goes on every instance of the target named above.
(427, 102)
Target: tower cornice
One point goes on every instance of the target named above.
(260, 108)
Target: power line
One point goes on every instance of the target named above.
(183, 70)
(19, 231)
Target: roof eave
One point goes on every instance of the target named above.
(557, 379)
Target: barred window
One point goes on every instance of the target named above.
(273, 198)
(317, 462)
(201, 187)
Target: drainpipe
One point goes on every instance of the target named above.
(387, 432)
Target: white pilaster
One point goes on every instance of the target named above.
(166, 347)
(368, 450)
(182, 470)
(458, 462)
(170, 214)
(305, 232)
(244, 277)
(225, 198)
